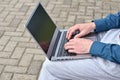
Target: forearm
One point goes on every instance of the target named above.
(107, 51)
(110, 22)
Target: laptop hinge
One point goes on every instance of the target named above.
(53, 44)
(56, 44)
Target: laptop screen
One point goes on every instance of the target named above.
(41, 27)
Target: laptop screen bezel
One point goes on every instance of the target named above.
(52, 42)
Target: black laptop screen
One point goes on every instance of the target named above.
(41, 27)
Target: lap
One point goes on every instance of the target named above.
(86, 69)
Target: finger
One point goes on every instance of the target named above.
(81, 34)
(69, 44)
(70, 32)
(72, 40)
(71, 51)
(69, 47)
(67, 33)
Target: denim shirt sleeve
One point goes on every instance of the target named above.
(109, 22)
(107, 51)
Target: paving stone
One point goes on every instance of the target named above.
(4, 14)
(39, 57)
(79, 20)
(18, 52)
(13, 2)
(4, 24)
(21, 27)
(97, 15)
(50, 7)
(88, 4)
(90, 13)
(7, 61)
(24, 77)
(91, 0)
(29, 1)
(63, 14)
(10, 46)
(1, 9)
(26, 60)
(67, 2)
(32, 40)
(4, 40)
(9, 18)
(98, 3)
(20, 39)
(33, 51)
(17, 13)
(20, 56)
(26, 34)
(5, 54)
(6, 76)
(34, 67)
(13, 33)
(115, 0)
(24, 8)
(3, 28)
(19, 5)
(1, 69)
(1, 48)
(71, 18)
(15, 69)
(1, 19)
(15, 22)
(27, 44)
(106, 5)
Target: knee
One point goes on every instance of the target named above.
(49, 66)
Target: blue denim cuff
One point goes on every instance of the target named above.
(100, 25)
(97, 48)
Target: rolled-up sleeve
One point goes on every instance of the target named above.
(112, 21)
(107, 51)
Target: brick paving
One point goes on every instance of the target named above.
(20, 57)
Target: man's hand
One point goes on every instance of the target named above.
(84, 29)
(78, 45)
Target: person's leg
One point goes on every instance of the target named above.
(45, 74)
(86, 69)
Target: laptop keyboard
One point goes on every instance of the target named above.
(62, 51)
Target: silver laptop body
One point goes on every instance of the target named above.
(50, 38)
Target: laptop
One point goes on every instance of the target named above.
(49, 37)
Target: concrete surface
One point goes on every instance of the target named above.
(20, 56)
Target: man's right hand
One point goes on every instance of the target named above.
(84, 29)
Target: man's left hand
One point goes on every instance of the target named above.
(78, 45)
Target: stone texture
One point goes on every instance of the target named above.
(20, 56)
(34, 67)
(24, 77)
(7, 61)
(15, 69)
(6, 76)
(26, 59)
(1, 68)
(18, 52)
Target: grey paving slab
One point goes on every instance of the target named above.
(20, 56)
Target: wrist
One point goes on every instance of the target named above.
(90, 44)
(93, 26)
